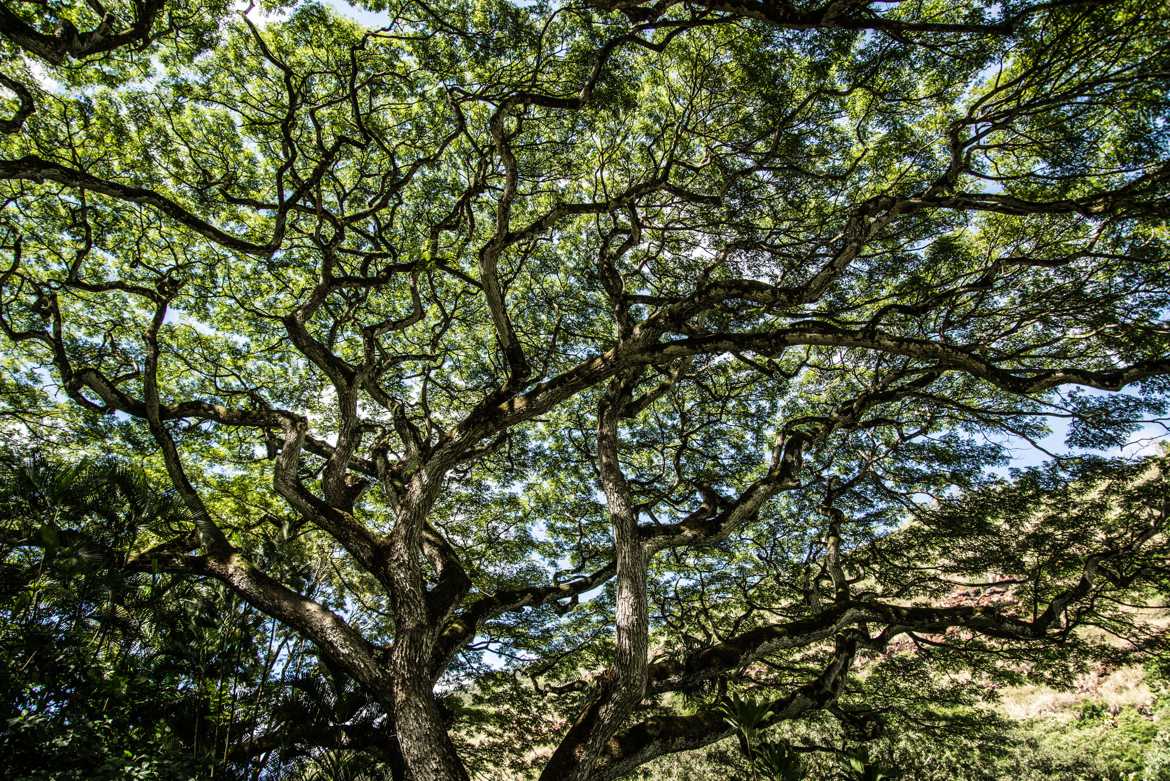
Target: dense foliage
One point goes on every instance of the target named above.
(554, 389)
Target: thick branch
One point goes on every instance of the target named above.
(71, 42)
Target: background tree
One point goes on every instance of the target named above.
(600, 358)
(127, 672)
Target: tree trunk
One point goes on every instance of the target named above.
(625, 683)
(430, 755)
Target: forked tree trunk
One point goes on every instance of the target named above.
(426, 746)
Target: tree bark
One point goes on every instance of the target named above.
(624, 685)
(430, 755)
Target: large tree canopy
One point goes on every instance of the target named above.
(596, 358)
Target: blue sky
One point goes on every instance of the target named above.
(368, 18)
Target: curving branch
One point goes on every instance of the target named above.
(69, 42)
(668, 734)
(27, 106)
(833, 15)
(847, 620)
(35, 169)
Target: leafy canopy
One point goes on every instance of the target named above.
(558, 374)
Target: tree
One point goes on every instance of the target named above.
(115, 672)
(599, 357)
